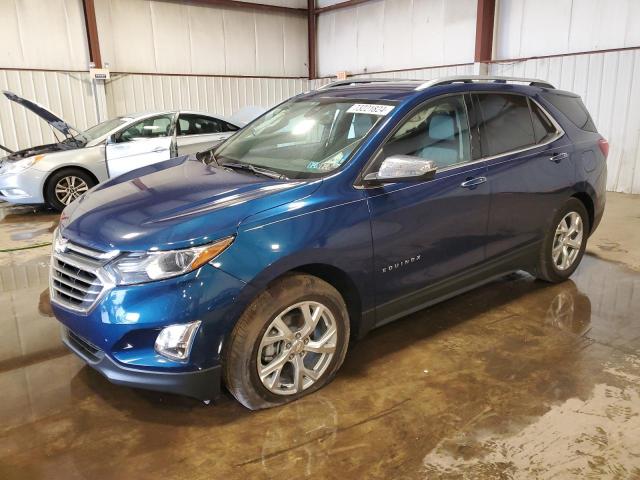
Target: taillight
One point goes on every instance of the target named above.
(604, 146)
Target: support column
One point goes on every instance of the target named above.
(485, 17)
(312, 18)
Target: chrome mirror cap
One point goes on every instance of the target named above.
(398, 168)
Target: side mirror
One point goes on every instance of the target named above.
(402, 168)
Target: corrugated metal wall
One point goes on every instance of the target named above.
(527, 28)
(144, 36)
(424, 73)
(396, 34)
(609, 84)
(223, 95)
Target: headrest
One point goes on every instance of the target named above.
(441, 126)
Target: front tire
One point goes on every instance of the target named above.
(65, 185)
(564, 244)
(289, 342)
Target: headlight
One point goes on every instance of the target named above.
(145, 267)
(175, 341)
(19, 165)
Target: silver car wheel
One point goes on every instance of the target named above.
(567, 241)
(297, 347)
(69, 188)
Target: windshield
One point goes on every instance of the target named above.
(305, 138)
(102, 129)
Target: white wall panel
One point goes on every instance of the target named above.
(43, 34)
(68, 94)
(609, 84)
(190, 38)
(128, 93)
(423, 73)
(526, 28)
(396, 34)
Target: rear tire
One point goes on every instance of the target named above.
(65, 185)
(268, 359)
(564, 244)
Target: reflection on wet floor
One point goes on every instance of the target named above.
(517, 379)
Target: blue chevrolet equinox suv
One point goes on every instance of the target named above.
(254, 264)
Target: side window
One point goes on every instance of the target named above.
(439, 131)
(573, 108)
(543, 129)
(506, 123)
(152, 127)
(190, 124)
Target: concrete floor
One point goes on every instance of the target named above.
(517, 379)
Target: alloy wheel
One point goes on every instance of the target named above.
(567, 241)
(69, 188)
(297, 347)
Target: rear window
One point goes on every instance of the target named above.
(573, 108)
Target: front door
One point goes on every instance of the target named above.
(426, 234)
(140, 144)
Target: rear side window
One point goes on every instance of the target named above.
(573, 108)
(506, 123)
(190, 124)
(542, 126)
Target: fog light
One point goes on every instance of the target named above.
(175, 341)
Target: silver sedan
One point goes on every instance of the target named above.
(58, 173)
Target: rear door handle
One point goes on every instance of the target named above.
(559, 157)
(473, 182)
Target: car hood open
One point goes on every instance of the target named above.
(48, 116)
(173, 204)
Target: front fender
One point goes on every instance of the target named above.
(303, 233)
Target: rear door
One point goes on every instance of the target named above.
(195, 132)
(530, 168)
(143, 143)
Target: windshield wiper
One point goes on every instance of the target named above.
(257, 170)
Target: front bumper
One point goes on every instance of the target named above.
(24, 187)
(200, 384)
(117, 336)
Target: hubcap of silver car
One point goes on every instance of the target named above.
(297, 348)
(567, 241)
(70, 188)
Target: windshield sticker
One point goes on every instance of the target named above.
(370, 108)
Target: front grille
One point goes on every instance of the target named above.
(76, 281)
(84, 347)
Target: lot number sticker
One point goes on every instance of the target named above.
(370, 108)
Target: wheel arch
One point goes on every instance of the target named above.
(587, 201)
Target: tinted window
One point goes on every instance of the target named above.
(153, 127)
(506, 123)
(573, 108)
(439, 131)
(542, 126)
(189, 124)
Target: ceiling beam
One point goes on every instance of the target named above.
(312, 18)
(92, 32)
(338, 6)
(250, 6)
(485, 17)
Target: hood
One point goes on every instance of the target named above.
(174, 204)
(48, 116)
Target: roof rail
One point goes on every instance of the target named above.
(355, 81)
(483, 79)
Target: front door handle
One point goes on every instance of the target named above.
(559, 157)
(158, 150)
(473, 182)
